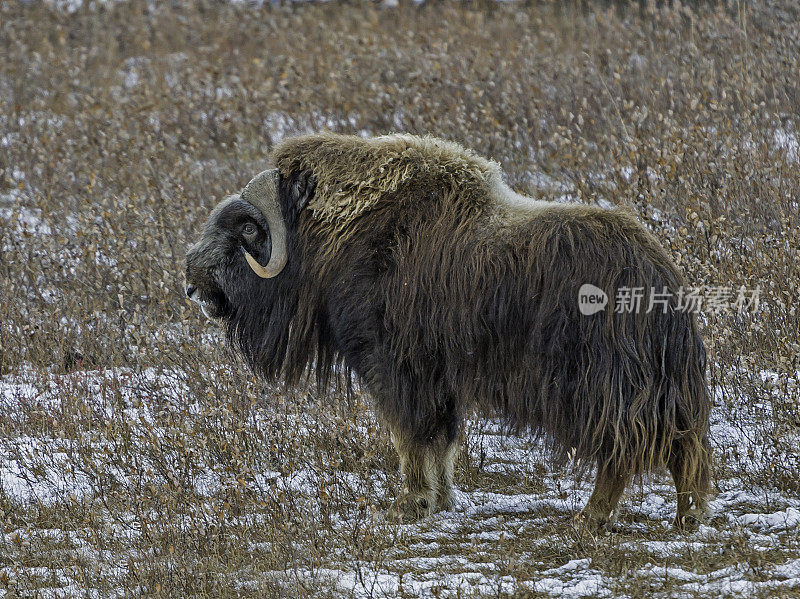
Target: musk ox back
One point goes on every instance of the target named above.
(407, 262)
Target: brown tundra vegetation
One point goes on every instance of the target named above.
(139, 457)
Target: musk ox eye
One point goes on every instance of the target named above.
(249, 230)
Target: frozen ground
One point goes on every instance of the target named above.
(510, 532)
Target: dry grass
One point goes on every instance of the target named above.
(157, 465)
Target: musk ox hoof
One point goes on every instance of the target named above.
(690, 520)
(447, 503)
(593, 523)
(411, 508)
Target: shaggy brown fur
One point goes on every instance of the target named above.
(413, 266)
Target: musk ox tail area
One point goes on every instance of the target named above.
(631, 379)
(655, 409)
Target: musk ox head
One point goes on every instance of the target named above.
(245, 240)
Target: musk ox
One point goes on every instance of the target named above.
(408, 262)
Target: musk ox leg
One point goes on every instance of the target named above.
(689, 464)
(445, 463)
(610, 483)
(419, 473)
(428, 473)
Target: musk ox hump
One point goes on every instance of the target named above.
(354, 175)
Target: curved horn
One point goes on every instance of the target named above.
(262, 192)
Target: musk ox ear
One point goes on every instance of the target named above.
(303, 188)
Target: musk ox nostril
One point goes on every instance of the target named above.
(190, 289)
